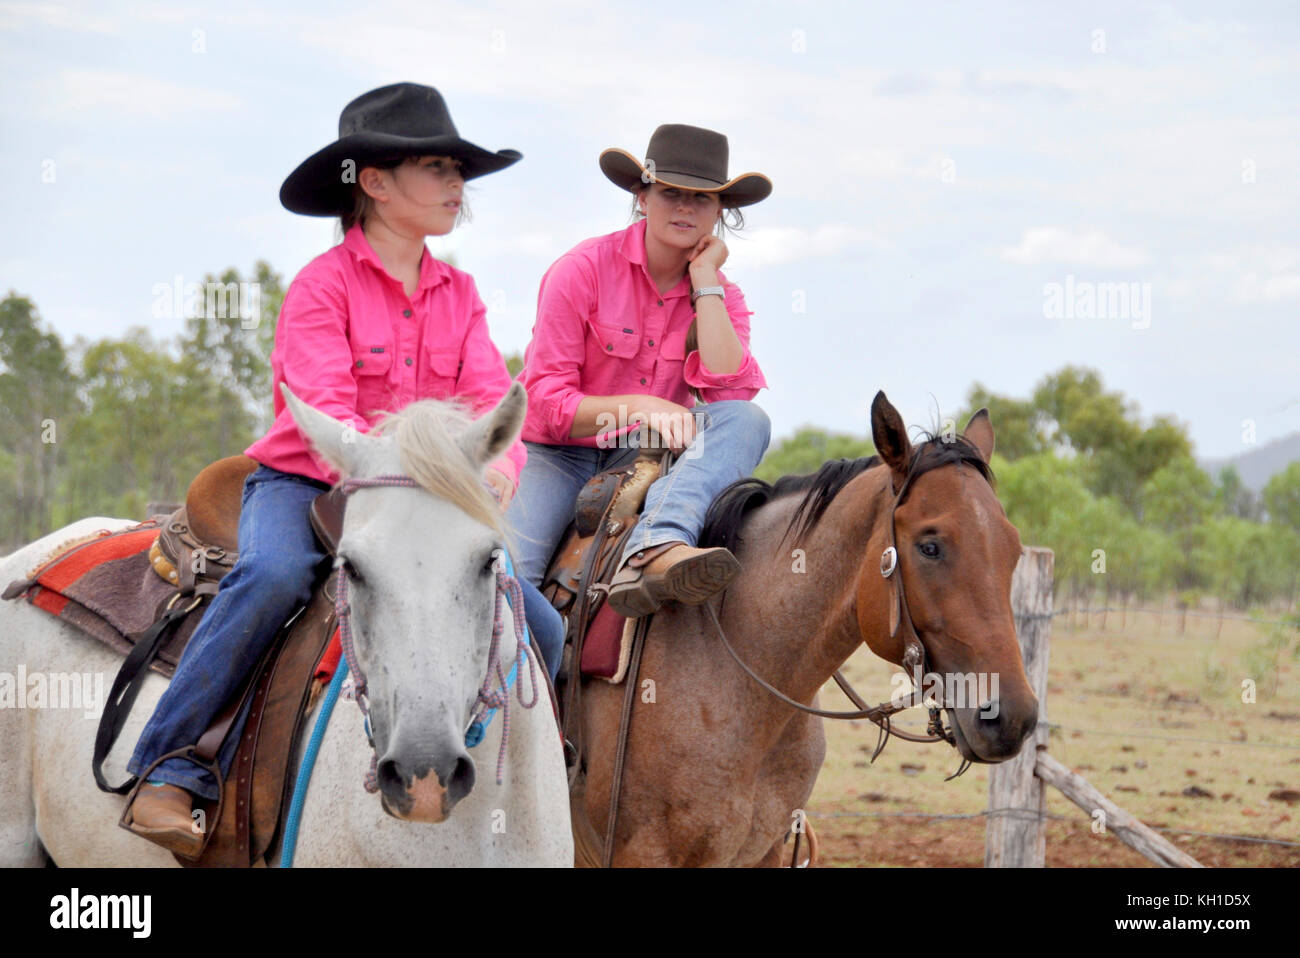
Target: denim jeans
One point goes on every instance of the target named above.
(278, 563)
(731, 437)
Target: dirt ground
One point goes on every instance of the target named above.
(1149, 711)
(959, 843)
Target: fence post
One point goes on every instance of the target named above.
(1016, 836)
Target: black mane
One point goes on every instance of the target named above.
(729, 508)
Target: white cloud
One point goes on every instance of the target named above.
(138, 95)
(1054, 244)
(14, 16)
(774, 245)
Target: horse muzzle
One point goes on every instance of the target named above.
(990, 739)
(425, 789)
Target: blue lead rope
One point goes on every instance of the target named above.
(473, 735)
(309, 762)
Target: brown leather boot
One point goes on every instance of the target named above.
(162, 814)
(673, 571)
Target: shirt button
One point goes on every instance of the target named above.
(409, 360)
(406, 312)
(610, 347)
(652, 342)
(361, 362)
(642, 380)
(661, 302)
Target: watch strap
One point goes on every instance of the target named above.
(708, 291)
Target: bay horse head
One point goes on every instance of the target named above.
(955, 552)
(419, 559)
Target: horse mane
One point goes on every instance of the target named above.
(427, 435)
(733, 504)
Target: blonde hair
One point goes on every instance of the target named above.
(427, 434)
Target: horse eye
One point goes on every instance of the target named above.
(930, 549)
(351, 571)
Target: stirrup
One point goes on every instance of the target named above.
(189, 753)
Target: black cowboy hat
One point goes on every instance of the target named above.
(404, 119)
(689, 158)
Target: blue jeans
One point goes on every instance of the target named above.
(731, 437)
(278, 563)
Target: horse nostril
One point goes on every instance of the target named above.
(461, 782)
(389, 775)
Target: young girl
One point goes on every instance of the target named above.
(366, 328)
(611, 348)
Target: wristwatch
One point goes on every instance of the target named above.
(707, 291)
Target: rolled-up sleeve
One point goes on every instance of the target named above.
(484, 379)
(748, 378)
(552, 370)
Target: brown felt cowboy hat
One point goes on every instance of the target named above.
(404, 119)
(690, 158)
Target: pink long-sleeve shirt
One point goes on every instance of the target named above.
(604, 329)
(351, 343)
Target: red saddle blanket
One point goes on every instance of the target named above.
(106, 588)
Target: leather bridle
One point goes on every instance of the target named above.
(915, 660)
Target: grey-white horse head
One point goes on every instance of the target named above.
(421, 583)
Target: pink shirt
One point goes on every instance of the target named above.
(603, 329)
(351, 343)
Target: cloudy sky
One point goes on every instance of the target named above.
(962, 193)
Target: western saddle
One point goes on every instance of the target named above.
(196, 547)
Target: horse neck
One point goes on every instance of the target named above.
(817, 627)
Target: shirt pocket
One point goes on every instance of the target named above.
(672, 357)
(443, 371)
(371, 366)
(615, 340)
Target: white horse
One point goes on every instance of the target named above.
(422, 590)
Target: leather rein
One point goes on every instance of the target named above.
(914, 659)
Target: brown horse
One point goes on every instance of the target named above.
(716, 766)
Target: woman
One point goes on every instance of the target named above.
(611, 348)
(366, 328)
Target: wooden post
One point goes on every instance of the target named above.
(1126, 828)
(1016, 836)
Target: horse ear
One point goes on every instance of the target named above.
(494, 433)
(890, 436)
(980, 432)
(339, 443)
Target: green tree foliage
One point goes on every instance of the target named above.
(1232, 498)
(37, 394)
(1282, 497)
(807, 449)
(105, 427)
(1019, 423)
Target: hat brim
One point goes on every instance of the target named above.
(626, 171)
(317, 187)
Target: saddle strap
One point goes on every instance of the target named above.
(631, 680)
(130, 678)
(640, 635)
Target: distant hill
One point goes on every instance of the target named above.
(1257, 466)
